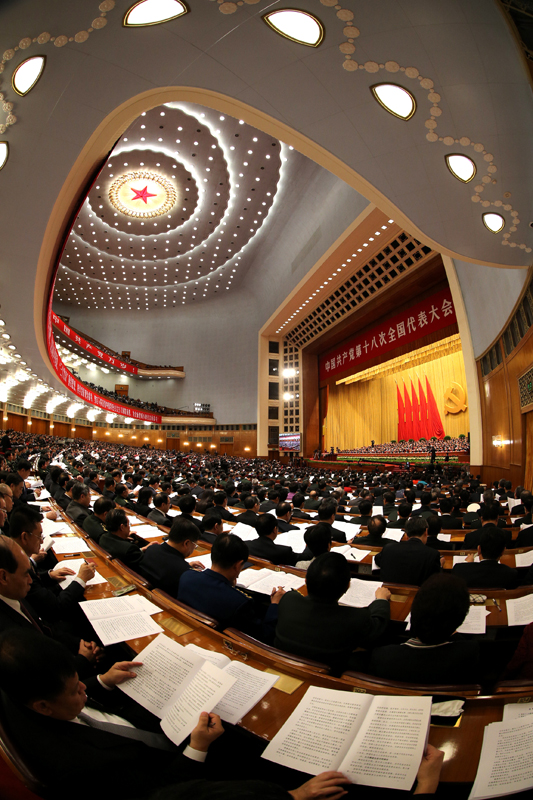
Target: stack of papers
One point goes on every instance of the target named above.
(360, 593)
(462, 560)
(265, 580)
(244, 532)
(118, 619)
(392, 533)
(205, 560)
(70, 544)
(524, 559)
(51, 527)
(293, 539)
(520, 610)
(148, 531)
(75, 565)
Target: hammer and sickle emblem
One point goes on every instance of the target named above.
(454, 399)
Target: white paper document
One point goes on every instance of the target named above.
(50, 527)
(392, 533)
(462, 559)
(251, 575)
(293, 539)
(75, 564)
(70, 544)
(176, 683)
(360, 593)
(475, 621)
(244, 532)
(173, 512)
(115, 629)
(444, 537)
(274, 579)
(506, 762)
(205, 560)
(524, 559)
(516, 711)
(375, 741)
(117, 606)
(148, 531)
(520, 610)
(350, 530)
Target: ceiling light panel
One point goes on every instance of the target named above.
(298, 26)
(4, 153)
(133, 248)
(494, 222)
(27, 74)
(394, 99)
(461, 167)
(153, 12)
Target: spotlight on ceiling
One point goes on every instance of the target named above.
(461, 167)
(289, 373)
(394, 99)
(153, 12)
(493, 222)
(298, 26)
(27, 74)
(4, 153)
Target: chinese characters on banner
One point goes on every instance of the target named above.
(81, 391)
(91, 348)
(428, 316)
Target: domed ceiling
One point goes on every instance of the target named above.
(170, 216)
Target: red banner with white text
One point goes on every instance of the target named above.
(82, 391)
(91, 348)
(427, 316)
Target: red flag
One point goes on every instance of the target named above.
(424, 426)
(416, 419)
(434, 420)
(401, 414)
(408, 414)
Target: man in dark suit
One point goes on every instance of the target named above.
(94, 523)
(425, 509)
(489, 519)
(317, 627)
(114, 540)
(432, 655)
(488, 573)
(186, 505)
(109, 488)
(271, 503)
(265, 546)
(327, 512)
(283, 516)
(24, 470)
(404, 512)
(449, 522)
(411, 561)
(221, 504)
(163, 564)
(365, 513)
(159, 515)
(213, 591)
(297, 502)
(313, 501)
(434, 528)
(212, 526)
(79, 508)
(251, 514)
(376, 529)
(126, 759)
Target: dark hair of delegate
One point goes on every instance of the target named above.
(439, 608)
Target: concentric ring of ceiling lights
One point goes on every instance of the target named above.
(127, 194)
(225, 175)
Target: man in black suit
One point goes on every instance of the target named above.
(489, 519)
(126, 759)
(163, 564)
(449, 522)
(109, 488)
(114, 540)
(186, 505)
(365, 513)
(425, 509)
(297, 502)
(212, 526)
(24, 471)
(317, 627)
(488, 573)
(79, 508)
(432, 655)
(376, 528)
(434, 528)
(327, 512)
(271, 503)
(251, 514)
(409, 562)
(283, 516)
(265, 546)
(404, 512)
(221, 504)
(159, 515)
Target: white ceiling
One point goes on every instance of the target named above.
(457, 57)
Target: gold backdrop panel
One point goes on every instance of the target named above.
(368, 409)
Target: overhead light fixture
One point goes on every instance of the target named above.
(287, 396)
(27, 74)
(110, 417)
(394, 99)
(289, 373)
(153, 12)
(4, 153)
(461, 167)
(493, 222)
(146, 422)
(298, 26)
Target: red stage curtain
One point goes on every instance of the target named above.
(408, 414)
(416, 419)
(435, 422)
